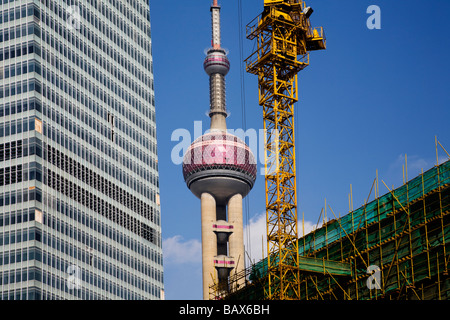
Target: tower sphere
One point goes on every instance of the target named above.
(221, 164)
(216, 61)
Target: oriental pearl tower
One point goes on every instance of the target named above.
(220, 169)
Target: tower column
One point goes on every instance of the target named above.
(209, 242)
(218, 111)
(236, 240)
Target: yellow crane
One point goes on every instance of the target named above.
(284, 38)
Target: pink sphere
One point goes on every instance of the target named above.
(219, 160)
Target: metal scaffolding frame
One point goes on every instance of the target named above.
(284, 38)
(393, 247)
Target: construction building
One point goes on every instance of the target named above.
(393, 247)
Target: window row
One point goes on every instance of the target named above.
(124, 41)
(20, 49)
(127, 12)
(105, 49)
(18, 106)
(60, 283)
(18, 69)
(108, 33)
(11, 150)
(19, 216)
(20, 87)
(98, 182)
(32, 28)
(98, 225)
(19, 12)
(104, 129)
(18, 126)
(17, 276)
(85, 256)
(19, 31)
(6, 1)
(112, 92)
(28, 293)
(140, 185)
(82, 254)
(100, 206)
(70, 230)
(89, 249)
(60, 117)
(20, 173)
(18, 256)
(11, 175)
(20, 148)
(20, 196)
(138, 89)
(85, 98)
(141, 6)
(19, 236)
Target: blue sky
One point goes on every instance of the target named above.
(370, 98)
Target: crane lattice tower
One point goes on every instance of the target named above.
(284, 38)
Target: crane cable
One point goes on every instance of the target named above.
(244, 120)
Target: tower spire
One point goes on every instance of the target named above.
(217, 66)
(215, 18)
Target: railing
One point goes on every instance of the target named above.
(251, 28)
(316, 33)
(256, 56)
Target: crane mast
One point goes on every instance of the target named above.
(284, 38)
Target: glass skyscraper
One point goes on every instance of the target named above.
(79, 188)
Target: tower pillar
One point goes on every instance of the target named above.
(236, 241)
(209, 242)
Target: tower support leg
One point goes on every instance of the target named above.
(236, 240)
(209, 241)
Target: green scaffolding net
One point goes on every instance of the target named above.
(409, 226)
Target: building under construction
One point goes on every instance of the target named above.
(394, 247)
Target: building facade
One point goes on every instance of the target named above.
(79, 189)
